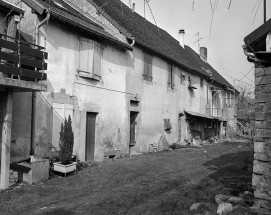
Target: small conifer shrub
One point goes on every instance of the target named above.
(66, 142)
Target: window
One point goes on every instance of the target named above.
(201, 82)
(171, 76)
(90, 59)
(182, 79)
(228, 99)
(147, 74)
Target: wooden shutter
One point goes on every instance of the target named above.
(172, 76)
(169, 74)
(60, 112)
(150, 67)
(97, 60)
(145, 71)
(86, 56)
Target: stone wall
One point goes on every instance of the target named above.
(262, 145)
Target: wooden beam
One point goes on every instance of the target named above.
(24, 60)
(23, 72)
(6, 138)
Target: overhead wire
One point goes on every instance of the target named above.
(256, 12)
(255, 5)
(213, 12)
(230, 4)
(152, 15)
(247, 73)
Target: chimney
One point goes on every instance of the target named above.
(203, 53)
(133, 8)
(181, 41)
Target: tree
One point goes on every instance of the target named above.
(246, 112)
(66, 141)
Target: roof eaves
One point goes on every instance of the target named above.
(112, 21)
(258, 33)
(12, 7)
(36, 6)
(75, 21)
(84, 25)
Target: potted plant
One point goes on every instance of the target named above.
(66, 141)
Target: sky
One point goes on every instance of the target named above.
(229, 27)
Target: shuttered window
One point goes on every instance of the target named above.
(147, 73)
(171, 76)
(90, 59)
(97, 61)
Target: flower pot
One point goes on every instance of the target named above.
(58, 167)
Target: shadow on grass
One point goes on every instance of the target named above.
(234, 171)
(232, 176)
(58, 211)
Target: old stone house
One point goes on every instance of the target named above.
(127, 84)
(257, 50)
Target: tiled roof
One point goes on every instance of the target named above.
(152, 37)
(64, 12)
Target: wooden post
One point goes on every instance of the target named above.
(6, 138)
(264, 11)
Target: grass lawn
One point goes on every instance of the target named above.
(154, 183)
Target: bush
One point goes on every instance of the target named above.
(66, 142)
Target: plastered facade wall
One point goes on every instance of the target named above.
(109, 98)
(105, 97)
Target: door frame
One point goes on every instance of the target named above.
(82, 130)
(86, 128)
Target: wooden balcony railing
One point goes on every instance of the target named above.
(217, 112)
(23, 61)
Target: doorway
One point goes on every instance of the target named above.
(180, 126)
(133, 116)
(90, 135)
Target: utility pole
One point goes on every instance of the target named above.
(264, 11)
(144, 7)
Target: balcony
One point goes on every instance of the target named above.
(216, 112)
(22, 65)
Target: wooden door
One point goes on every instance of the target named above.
(90, 135)
(133, 116)
(180, 125)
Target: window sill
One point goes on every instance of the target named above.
(147, 81)
(88, 75)
(191, 87)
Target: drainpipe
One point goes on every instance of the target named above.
(33, 115)
(250, 56)
(133, 42)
